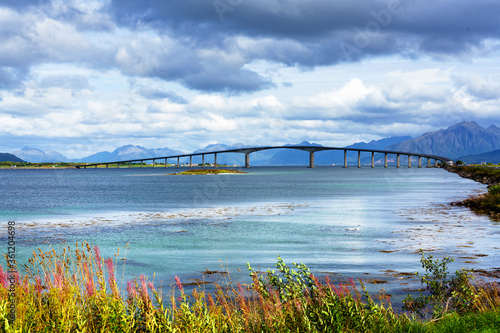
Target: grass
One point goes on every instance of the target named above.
(77, 291)
(206, 172)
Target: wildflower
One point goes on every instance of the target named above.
(98, 256)
(38, 285)
(3, 277)
(132, 292)
(179, 284)
(111, 270)
(89, 283)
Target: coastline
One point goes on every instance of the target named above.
(486, 203)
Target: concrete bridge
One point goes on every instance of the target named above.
(311, 149)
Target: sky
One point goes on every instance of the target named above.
(81, 77)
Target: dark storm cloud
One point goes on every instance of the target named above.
(234, 33)
(330, 32)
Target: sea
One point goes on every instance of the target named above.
(361, 223)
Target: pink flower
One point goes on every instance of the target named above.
(131, 289)
(111, 270)
(3, 277)
(179, 284)
(98, 256)
(38, 285)
(144, 286)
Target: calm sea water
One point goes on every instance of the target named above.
(361, 223)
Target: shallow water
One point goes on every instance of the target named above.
(360, 223)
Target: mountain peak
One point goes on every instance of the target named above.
(462, 139)
(466, 124)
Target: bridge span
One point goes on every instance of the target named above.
(311, 149)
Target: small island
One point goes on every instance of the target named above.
(206, 172)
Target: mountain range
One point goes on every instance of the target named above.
(467, 141)
(460, 140)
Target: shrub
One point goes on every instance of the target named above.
(444, 293)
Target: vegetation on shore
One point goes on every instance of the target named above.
(206, 172)
(77, 291)
(489, 202)
(29, 165)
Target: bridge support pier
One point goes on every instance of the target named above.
(311, 159)
(398, 165)
(409, 161)
(419, 161)
(359, 158)
(345, 158)
(428, 162)
(190, 161)
(373, 159)
(141, 164)
(385, 160)
(154, 164)
(95, 167)
(247, 160)
(215, 160)
(129, 165)
(166, 164)
(118, 165)
(435, 163)
(107, 165)
(178, 162)
(202, 160)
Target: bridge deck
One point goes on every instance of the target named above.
(311, 149)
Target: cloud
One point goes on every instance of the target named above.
(172, 96)
(479, 87)
(71, 82)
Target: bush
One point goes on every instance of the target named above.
(444, 294)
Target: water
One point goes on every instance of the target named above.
(360, 223)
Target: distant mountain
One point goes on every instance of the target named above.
(492, 156)
(4, 157)
(463, 139)
(327, 157)
(381, 144)
(129, 152)
(38, 156)
(229, 158)
(288, 156)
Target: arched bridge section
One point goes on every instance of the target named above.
(311, 149)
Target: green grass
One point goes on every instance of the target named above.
(77, 291)
(206, 172)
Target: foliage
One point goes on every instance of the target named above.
(444, 293)
(77, 291)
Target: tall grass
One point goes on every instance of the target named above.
(75, 290)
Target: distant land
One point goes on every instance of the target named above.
(4, 157)
(491, 157)
(462, 139)
(467, 141)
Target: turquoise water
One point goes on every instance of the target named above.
(361, 223)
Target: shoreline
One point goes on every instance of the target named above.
(486, 203)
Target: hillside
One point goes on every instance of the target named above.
(462, 139)
(4, 157)
(489, 157)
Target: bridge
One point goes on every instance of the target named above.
(311, 149)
